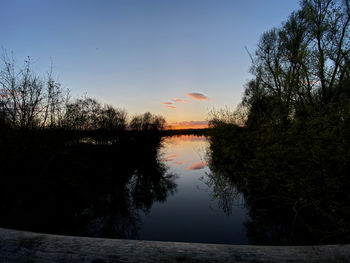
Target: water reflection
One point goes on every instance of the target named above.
(224, 192)
(88, 190)
(192, 215)
(197, 166)
(158, 191)
(153, 191)
(278, 212)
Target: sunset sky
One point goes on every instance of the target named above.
(177, 58)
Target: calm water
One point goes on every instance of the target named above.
(192, 213)
(134, 191)
(142, 188)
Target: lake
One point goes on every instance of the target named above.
(192, 214)
(140, 186)
(135, 189)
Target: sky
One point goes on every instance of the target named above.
(176, 58)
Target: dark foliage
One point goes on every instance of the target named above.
(291, 156)
(74, 166)
(55, 185)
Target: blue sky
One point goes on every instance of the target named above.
(139, 54)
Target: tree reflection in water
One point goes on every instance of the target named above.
(87, 190)
(224, 191)
(272, 219)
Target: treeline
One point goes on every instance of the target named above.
(30, 101)
(287, 147)
(197, 132)
(74, 166)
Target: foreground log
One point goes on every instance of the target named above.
(21, 246)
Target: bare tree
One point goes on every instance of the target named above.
(28, 100)
(22, 93)
(147, 122)
(112, 118)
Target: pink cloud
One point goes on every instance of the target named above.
(178, 163)
(167, 103)
(197, 96)
(197, 166)
(171, 107)
(179, 100)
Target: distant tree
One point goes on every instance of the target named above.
(83, 114)
(158, 123)
(112, 119)
(147, 122)
(88, 114)
(30, 101)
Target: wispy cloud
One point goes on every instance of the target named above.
(178, 163)
(197, 96)
(179, 100)
(197, 166)
(168, 104)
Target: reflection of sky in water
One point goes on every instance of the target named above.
(191, 214)
(197, 166)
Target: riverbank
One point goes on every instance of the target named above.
(21, 246)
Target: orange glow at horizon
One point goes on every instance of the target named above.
(187, 125)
